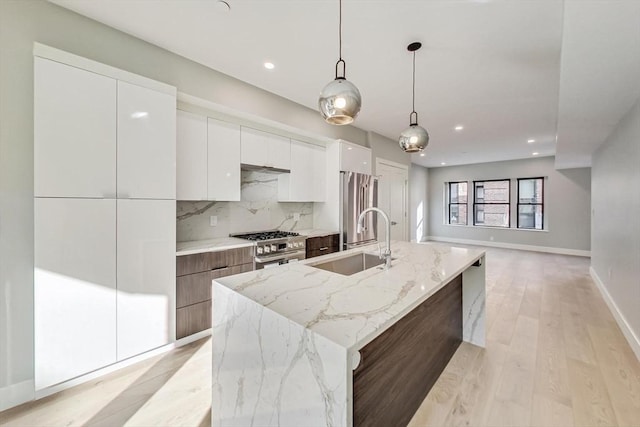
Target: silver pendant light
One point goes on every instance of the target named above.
(340, 100)
(414, 138)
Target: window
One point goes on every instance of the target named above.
(491, 203)
(530, 203)
(458, 203)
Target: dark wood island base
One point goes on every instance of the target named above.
(400, 366)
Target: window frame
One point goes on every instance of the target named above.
(508, 203)
(529, 204)
(466, 220)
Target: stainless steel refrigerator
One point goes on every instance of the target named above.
(359, 192)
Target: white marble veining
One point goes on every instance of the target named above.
(286, 339)
(353, 310)
(211, 245)
(258, 210)
(315, 232)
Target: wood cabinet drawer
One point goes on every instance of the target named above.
(192, 319)
(198, 263)
(195, 288)
(322, 245)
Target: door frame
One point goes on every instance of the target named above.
(405, 193)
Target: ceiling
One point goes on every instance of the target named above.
(561, 73)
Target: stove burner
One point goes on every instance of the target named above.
(267, 235)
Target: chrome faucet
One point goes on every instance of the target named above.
(387, 252)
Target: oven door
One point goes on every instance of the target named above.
(278, 259)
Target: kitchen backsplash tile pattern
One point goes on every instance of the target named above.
(258, 209)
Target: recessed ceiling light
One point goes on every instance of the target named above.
(269, 65)
(459, 128)
(442, 163)
(421, 154)
(222, 6)
(535, 153)
(530, 141)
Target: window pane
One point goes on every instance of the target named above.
(530, 190)
(530, 216)
(458, 192)
(458, 214)
(492, 191)
(492, 215)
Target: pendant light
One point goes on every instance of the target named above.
(340, 100)
(414, 138)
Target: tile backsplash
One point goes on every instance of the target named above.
(258, 209)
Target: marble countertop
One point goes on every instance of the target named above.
(315, 232)
(211, 245)
(352, 310)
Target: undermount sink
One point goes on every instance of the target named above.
(350, 264)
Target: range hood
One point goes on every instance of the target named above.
(265, 169)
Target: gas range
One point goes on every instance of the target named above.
(275, 247)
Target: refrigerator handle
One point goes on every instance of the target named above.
(362, 205)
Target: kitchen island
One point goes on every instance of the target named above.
(297, 345)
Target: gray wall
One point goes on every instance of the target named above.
(567, 204)
(418, 203)
(22, 23)
(387, 149)
(615, 224)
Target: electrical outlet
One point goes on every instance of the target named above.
(213, 220)
(296, 216)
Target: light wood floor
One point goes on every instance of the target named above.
(554, 357)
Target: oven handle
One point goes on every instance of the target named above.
(285, 256)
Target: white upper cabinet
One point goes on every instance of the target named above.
(306, 182)
(191, 156)
(74, 132)
(74, 287)
(260, 148)
(355, 158)
(146, 137)
(223, 181)
(146, 247)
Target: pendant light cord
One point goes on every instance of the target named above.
(340, 30)
(413, 105)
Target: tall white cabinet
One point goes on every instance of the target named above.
(104, 181)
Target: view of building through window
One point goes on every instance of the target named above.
(491, 203)
(458, 203)
(530, 203)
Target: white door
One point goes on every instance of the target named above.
(146, 275)
(74, 287)
(392, 198)
(146, 143)
(191, 156)
(224, 161)
(74, 132)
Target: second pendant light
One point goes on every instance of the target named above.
(414, 138)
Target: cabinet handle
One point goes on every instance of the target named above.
(324, 248)
(219, 268)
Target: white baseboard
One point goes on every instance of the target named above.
(628, 333)
(194, 337)
(547, 249)
(16, 394)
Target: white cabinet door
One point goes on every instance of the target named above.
(74, 132)
(306, 182)
(191, 156)
(260, 148)
(74, 287)
(146, 143)
(253, 147)
(146, 249)
(279, 152)
(355, 158)
(224, 161)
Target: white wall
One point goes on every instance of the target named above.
(418, 203)
(22, 23)
(387, 149)
(566, 196)
(615, 223)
